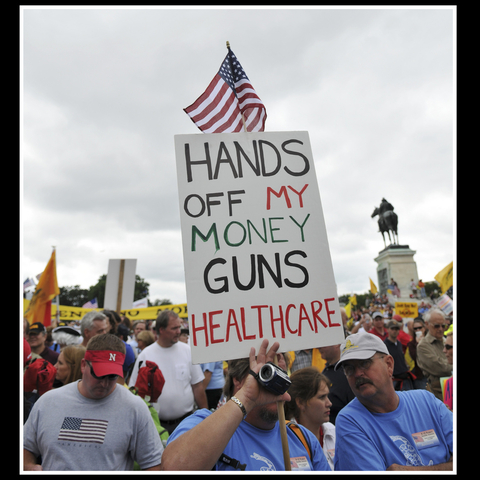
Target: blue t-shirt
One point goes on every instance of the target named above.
(261, 450)
(217, 380)
(418, 433)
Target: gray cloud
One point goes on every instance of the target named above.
(103, 96)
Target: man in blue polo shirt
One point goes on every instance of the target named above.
(384, 429)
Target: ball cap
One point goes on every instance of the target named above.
(105, 362)
(360, 346)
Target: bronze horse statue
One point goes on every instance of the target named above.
(387, 221)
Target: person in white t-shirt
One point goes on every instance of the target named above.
(183, 381)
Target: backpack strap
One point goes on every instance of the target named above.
(298, 432)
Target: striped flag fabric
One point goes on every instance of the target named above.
(83, 430)
(230, 103)
(91, 304)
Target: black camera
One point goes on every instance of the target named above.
(274, 378)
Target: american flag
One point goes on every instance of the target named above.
(83, 430)
(230, 94)
(91, 304)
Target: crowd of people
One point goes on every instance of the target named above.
(108, 394)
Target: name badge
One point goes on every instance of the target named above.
(425, 439)
(299, 463)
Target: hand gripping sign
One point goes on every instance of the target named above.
(256, 255)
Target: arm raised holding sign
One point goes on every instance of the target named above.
(223, 441)
(190, 452)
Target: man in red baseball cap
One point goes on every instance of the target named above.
(93, 423)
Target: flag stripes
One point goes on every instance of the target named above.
(229, 95)
(83, 430)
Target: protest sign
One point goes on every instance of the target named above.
(256, 254)
(446, 304)
(406, 309)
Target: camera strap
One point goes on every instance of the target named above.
(251, 372)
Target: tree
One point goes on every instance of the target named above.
(77, 297)
(74, 296)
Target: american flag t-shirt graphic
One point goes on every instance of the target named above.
(83, 430)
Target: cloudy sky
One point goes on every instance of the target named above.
(103, 96)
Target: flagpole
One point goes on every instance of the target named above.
(231, 69)
(57, 299)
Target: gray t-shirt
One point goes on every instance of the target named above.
(75, 433)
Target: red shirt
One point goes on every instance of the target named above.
(379, 335)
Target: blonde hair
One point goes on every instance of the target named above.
(73, 355)
(147, 336)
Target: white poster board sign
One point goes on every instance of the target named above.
(257, 261)
(120, 284)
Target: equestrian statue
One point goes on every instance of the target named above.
(387, 221)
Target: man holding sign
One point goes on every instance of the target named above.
(244, 433)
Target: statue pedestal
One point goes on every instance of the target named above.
(396, 261)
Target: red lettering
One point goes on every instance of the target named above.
(245, 336)
(196, 329)
(300, 199)
(330, 312)
(303, 316)
(279, 319)
(283, 191)
(214, 325)
(287, 318)
(232, 321)
(260, 326)
(316, 316)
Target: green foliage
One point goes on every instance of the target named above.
(76, 297)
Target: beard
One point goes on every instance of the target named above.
(269, 415)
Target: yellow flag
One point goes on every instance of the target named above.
(353, 299)
(348, 310)
(373, 287)
(39, 309)
(445, 277)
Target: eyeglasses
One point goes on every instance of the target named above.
(104, 377)
(363, 365)
(440, 326)
(448, 347)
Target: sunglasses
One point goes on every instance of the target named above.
(104, 377)
(448, 347)
(440, 326)
(349, 369)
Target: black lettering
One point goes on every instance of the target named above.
(224, 280)
(253, 275)
(291, 152)
(190, 162)
(261, 143)
(301, 267)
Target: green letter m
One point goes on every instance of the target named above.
(196, 231)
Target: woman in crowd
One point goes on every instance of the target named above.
(310, 406)
(68, 365)
(419, 331)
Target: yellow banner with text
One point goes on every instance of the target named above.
(68, 313)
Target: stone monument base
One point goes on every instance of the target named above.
(396, 261)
